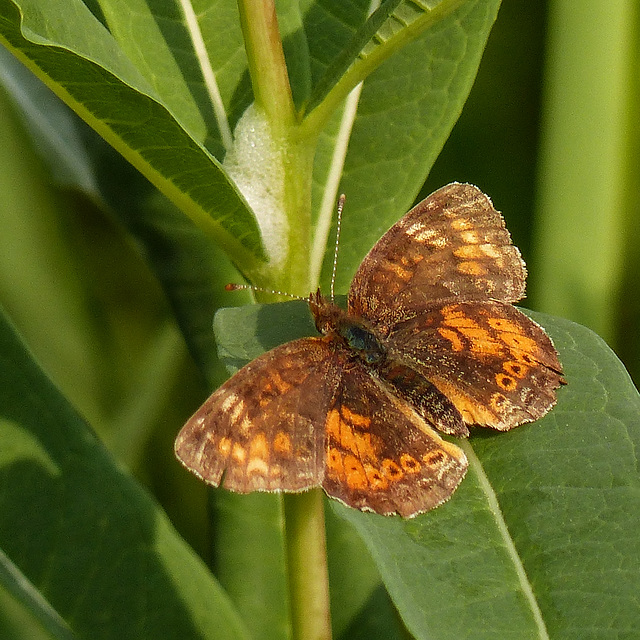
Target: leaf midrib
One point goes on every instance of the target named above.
(509, 544)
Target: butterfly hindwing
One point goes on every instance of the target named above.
(496, 365)
(380, 455)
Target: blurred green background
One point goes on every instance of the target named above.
(550, 132)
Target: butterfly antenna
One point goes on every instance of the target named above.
(237, 287)
(341, 200)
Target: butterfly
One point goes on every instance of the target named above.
(430, 342)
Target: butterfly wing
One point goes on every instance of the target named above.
(496, 365)
(380, 455)
(262, 430)
(452, 244)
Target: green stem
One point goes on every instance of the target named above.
(307, 566)
(267, 66)
(584, 154)
(273, 97)
(304, 515)
(298, 171)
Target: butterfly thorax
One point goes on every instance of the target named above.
(335, 322)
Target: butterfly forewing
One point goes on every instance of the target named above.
(263, 428)
(452, 244)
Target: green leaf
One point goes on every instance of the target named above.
(82, 532)
(405, 113)
(541, 538)
(35, 613)
(394, 24)
(71, 51)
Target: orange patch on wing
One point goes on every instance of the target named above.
(375, 477)
(433, 458)
(258, 447)
(470, 251)
(472, 412)
(224, 446)
(275, 383)
(506, 382)
(355, 473)
(480, 339)
(412, 260)
(334, 461)
(452, 451)
(519, 342)
(409, 463)
(483, 343)
(502, 324)
(332, 425)
(452, 337)
(402, 273)
(391, 470)
(455, 317)
(472, 268)
(358, 443)
(238, 453)
(355, 419)
(460, 224)
(282, 442)
(516, 369)
(497, 401)
(451, 311)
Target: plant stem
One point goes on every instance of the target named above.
(267, 66)
(307, 566)
(304, 514)
(586, 104)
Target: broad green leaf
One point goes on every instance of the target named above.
(71, 51)
(192, 269)
(22, 608)
(541, 538)
(377, 620)
(295, 43)
(98, 550)
(394, 24)
(403, 118)
(193, 56)
(194, 272)
(53, 127)
(329, 27)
